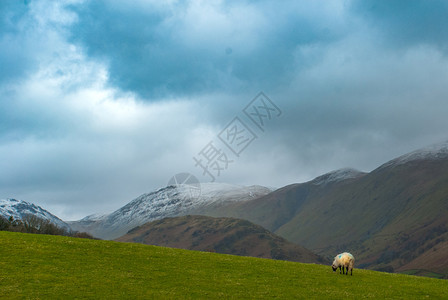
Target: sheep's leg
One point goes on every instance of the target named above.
(346, 270)
(340, 271)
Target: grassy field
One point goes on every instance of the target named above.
(43, 267)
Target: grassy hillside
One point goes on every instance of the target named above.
(41, 266)
(220, 235)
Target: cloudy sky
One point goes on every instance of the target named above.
(101, 101)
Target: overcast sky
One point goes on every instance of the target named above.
(102, 101)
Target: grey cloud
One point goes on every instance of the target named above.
(149, 51)
(407, 22)
(15, 57)
(28, 44)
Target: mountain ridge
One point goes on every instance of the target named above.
(108, 225)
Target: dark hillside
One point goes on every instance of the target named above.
(221, 235)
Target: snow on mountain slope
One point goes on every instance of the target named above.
(433, 152)
(337, 175)
(166, 202)
(18, 209)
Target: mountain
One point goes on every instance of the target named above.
(221, 235)
(276, 209)
(18, 209)
(166, 202)
(394, 218)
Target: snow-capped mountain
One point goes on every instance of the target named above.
(433, 152)
(166, 202)
(337, 175)
(18, 209)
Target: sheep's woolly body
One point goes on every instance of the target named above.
(344, 260)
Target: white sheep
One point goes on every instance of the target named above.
(344, 260)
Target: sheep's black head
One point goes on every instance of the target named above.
(335, 265)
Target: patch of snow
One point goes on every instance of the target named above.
(94, 217)
(337, 175)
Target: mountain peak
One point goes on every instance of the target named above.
(337, 175)
(432, 152)
(18, 209)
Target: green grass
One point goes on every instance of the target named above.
(45, 267)
(425, 273)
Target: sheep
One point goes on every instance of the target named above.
(344, 260)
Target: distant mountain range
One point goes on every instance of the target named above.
(221, 235)
(18, 209)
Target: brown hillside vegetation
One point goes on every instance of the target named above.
(436, 260)
(221, 235)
